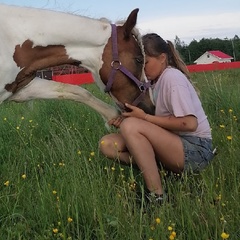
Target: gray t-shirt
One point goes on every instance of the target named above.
(173, 94)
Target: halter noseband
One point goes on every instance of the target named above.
(117, 65)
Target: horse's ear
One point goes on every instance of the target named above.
(130, 23)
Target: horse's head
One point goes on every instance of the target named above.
(126, 81)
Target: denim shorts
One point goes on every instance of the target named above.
(198, 153)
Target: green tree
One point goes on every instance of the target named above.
(195, 49)
(182, 49)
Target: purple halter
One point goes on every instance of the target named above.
(117, 65)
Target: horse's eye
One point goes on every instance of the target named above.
(139, 60)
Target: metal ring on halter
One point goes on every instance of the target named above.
(142, 87)
(116, 64)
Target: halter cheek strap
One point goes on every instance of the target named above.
(117, 65)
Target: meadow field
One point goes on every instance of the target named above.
(54, 183)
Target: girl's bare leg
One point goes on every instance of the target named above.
(113, 146)
(148, 142)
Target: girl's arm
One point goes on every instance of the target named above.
(172, 123)
(183, 124)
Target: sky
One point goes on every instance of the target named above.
(187, 19)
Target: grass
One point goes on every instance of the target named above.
(54, 183)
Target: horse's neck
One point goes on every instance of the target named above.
(84, 38)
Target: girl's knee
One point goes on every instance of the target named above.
(108, 146)
(127, 124)
(104, 144)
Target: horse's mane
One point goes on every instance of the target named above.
(135, 31)
(137, 35)
(105, 20)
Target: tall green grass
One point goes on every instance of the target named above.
(54, 183)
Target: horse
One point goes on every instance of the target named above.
(33, 39)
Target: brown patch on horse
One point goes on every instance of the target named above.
(31, 58)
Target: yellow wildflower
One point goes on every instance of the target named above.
(158, 220)
(70, 219)
(152, 228)
(173, 233)
(6, 183)
(229, 138)
(22, 118)
(54, 192)
(132, 185)
(224, 235)
(222, 126)
(24, 176)
(102, 142)
(170, 228)
(92, 153)
(55, 230)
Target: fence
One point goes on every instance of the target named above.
(77, 79)
(85, 78)
(213, 66)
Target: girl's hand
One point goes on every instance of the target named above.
(116, 121)
(136, 112)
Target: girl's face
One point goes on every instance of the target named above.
(154, 66)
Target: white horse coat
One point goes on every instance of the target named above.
(82, 38)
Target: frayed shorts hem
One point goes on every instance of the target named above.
(198, 153)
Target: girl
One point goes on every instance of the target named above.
(178, 136)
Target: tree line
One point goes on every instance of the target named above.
(195, 49)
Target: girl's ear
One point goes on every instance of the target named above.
(163, 57)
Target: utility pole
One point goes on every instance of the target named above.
(233, 48)
(189, 56)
